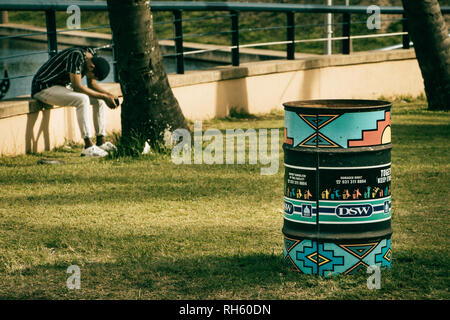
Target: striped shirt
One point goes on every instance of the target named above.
(57, 69)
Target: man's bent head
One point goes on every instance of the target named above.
(100, 68)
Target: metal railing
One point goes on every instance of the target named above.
(228, 10)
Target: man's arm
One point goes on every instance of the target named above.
(78, 86)
(93, 84)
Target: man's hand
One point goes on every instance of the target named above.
(111, 101)
(94, 90)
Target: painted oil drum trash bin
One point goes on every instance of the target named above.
(337, 185)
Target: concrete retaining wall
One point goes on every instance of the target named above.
(256, 87)
(260, 87)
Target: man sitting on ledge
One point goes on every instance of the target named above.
(58, 82)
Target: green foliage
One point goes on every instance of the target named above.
(145, 228)
(129, 146)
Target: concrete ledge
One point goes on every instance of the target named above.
(25, 104)
(277, 66)
(17, 106)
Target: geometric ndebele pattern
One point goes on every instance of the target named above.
(347, 130)
(325, 258)
(317, 138)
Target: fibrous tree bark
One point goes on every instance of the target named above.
(429, 32)
(149, 106)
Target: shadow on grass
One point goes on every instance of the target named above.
(415, 275)
(191, 278)
(148, 267)
(166, 264)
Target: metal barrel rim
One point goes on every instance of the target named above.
(337, 105)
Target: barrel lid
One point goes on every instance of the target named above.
(337, 105)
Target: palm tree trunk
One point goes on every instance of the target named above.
(149, 106)
(429, 32)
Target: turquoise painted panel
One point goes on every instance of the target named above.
(328, 258)
(352, 129)
(297, 128)
(296, 253)
(350, 126)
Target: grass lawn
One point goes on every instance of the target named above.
(149, 229)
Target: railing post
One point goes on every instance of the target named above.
(178, 25)
(290, 36)
(346, 26)
(235, 38)
(52, 42)
(3, 16)
(405, 37)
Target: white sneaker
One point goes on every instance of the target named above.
(94, 152)
(147, 148)
(108, 146)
